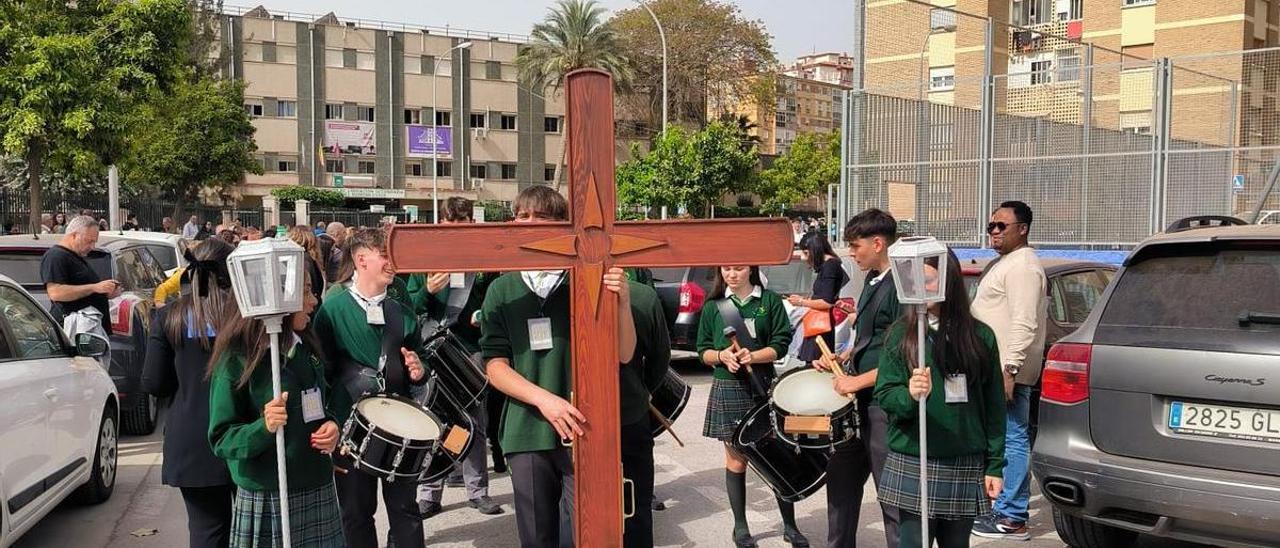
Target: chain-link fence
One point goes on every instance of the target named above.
(958, 113)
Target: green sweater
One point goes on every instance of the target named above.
(504, 317)
(415, 287)
(955, 429)
(344, 330)
(239, 436)
(773, 328)
(652, 357)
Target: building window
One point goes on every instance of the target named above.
(365, 167)
(348, 58)
(287, 166)
(364, 114)
(478, 171)
(1068, 66)
(508, 171)
(1041, 72)
(551, 124)
(443, 118)
(268, 52)
(287, 109)
(412, 116)
(492, 70)
(1075, 11)
(507, 121)
(334, 166)
(1131, 3)
(254, 110)
(942, 78)
(477, 120)
(333, 58)
(1032, 12)
(942, 20)
(444, 168)
(414, 169)
(549, 173)
(333, 111)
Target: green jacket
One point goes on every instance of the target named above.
(653, 354)
(238, 434)
(955, 429)
(773, 328)
(884, 316)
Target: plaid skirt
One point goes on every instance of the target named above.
(955, 485)
(314, 519)
(728, 404)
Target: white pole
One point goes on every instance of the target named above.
(273, 328)
(921, 318)
(113, 197)
(662, 36)
(435, 146)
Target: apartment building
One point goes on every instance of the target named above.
(830, 67)
(801, 106)
(387, 112)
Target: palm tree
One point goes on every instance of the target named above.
(573, 36)
(742, 125)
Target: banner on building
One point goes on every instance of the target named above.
(349, 137)
(424, 140)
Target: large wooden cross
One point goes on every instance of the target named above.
(588, 246)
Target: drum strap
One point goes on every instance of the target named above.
(458, 300)
(733, 318)
(392, 340)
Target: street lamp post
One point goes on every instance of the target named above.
(663, 36)
(435, 146)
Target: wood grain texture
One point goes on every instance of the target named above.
(708, 242)
(475, 247)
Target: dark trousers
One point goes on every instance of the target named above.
(543, 485)
(949, 533)
(358, 497)
(209, 515)
(494, 403)
(637, 466)
(847, 473)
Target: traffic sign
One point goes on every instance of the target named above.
(337, 181)
(1237, 183)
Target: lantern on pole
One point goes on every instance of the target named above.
(267, 280)
(911, 260)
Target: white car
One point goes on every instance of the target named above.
(167, 248)
(59, 415)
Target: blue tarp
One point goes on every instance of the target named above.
(1107, 257)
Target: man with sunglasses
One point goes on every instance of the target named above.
(1011, 299)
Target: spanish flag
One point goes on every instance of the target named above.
(320, 154)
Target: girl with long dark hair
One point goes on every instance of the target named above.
(831, 277)
(767, 335)
(178, 350)
(964, 395)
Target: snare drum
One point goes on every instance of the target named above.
(669, 398)
(458, 374)
(390, 437)
(806, 394)
(792, 472)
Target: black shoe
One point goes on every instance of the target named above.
(428, 509)
(486, 506)
(795, 538)
(453, 481)
(744, 541)
(499, 465)
(658, 505)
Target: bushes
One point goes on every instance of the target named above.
(319, 197)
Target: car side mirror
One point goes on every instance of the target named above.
(91, 345)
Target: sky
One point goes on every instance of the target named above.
(799, 27)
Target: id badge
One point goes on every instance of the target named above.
(540, 334)
(375, 316)
(957, 389)
(751, 326)
(457, 280)
(312, 405)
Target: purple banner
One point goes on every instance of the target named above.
(421, 143)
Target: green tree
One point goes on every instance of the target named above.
(72, 73)
(696, 169)
(804, 171)
(573, 36)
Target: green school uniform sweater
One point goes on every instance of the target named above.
(415, 286)
(504, 317)
(238, 433)
(955, 429)
(343, 328)
(773, 328)
(652, 357)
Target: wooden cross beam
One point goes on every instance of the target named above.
(588, 246)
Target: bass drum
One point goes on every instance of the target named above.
(669, 398)
(792, 472)
(457, 373)
(457, 434)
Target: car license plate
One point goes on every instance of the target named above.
(1222, 421)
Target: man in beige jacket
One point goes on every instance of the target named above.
(1012, 300)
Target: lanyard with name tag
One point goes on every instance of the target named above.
(312, 405)
(375, 316)
(957, 389)
(457, 280)
(540, 334)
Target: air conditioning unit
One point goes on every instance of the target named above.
(479, 132)
(476, 183)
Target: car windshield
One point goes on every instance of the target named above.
(24, 267)
(668, 275)
(795, 277)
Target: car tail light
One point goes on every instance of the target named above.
(692, 296)
(1066, 374)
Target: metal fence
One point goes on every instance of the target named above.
(959, 113)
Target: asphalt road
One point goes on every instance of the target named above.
(144, 513)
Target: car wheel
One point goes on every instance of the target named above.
(102, 479)
(1081, 533)
(140, 420)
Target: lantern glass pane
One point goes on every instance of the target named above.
(290, 285)
(256, 277)
(932, 283)
(906, 277)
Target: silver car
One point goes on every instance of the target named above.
(1161, 414)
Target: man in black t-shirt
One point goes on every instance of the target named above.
(71, 283)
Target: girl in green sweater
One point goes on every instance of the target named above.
(244, 417)
(965, 420)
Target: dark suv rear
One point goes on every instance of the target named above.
(1161, 414)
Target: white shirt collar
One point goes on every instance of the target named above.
(880, 278)
(367, 302)
(756, 292)
(542, 282)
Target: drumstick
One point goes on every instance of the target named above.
(666, 424)
(826, 353)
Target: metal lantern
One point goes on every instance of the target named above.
(907, 258)
(267, 277)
